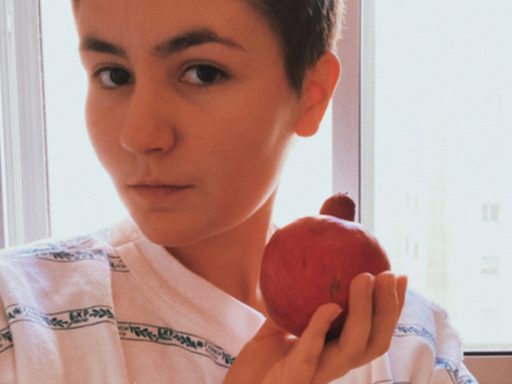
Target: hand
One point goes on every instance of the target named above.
(275, 357)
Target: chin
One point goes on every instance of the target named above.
(163, 229)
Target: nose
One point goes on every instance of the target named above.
(148, 126)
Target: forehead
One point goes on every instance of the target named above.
(139, 20)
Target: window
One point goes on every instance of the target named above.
(82, 197)
(22, 133)
(432, 159)
(441, 132)
(432, 153)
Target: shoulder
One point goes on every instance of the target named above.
(39, 270)
(425, 342)
(429, 322)
(50, 286)
(87, 247)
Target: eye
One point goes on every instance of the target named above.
(203, 75)
(113, 77)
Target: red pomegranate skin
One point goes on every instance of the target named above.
(339, 205)
(312, 261)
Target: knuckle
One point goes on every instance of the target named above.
(388, 308)
(310, 361)
(356, 357)
(352, 361)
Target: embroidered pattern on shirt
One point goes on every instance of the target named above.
(465, 379)
(5, 339)
(67, 255)
(85, 317)
(172, 337)
(450, 367)
(74, 250)
(117, 264)
(71, 256)
(75, 318)
(402, 330)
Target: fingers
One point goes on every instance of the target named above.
(273, 356)
(309, 346)
(358, 324)
(387, 307)
(350, 351)
(375, 304)
(401, 288)
(388, 300)
(269, 345)
(300, 363)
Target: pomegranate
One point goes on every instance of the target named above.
(339, 205)
(312, 261)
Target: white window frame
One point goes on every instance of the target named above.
(24, 184)
(353, 135)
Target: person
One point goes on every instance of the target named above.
(192, 108)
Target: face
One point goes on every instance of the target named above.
(188, 109)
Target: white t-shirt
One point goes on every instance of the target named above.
(113, 307)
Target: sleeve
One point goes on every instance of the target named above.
(426, 348)
(449, 357)
(7, 367)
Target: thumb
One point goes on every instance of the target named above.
(300, 363)
(309, 346)
(269, 345)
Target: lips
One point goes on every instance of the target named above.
(155, 193)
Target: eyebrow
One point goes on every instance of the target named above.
(166, 48)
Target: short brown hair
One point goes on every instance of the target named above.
(306, 30)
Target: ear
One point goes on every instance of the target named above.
(318, 88)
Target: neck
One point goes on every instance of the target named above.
(231, 260)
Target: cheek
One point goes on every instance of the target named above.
(252, 150)
(265, 133)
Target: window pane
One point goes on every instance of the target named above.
(81, 195)
(307, 176)
(442, 138)
(2, 229)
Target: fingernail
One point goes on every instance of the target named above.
(336, 313)
(404, 280)
(392, 286)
